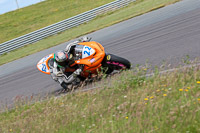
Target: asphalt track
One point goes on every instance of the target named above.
(167, 34)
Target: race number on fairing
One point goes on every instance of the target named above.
(87, 51)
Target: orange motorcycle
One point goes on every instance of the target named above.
(92, 55)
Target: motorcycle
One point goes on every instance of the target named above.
(92, 55)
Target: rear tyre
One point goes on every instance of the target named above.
(114, 62)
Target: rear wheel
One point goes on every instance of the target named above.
(114, 62)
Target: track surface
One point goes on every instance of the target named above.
(167, 34)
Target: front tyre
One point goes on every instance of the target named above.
(64, 85)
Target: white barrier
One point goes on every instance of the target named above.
(61, 26)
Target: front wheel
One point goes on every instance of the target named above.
(114, 62)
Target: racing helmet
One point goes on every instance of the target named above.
(61, 58)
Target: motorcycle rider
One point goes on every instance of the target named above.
(61, 67)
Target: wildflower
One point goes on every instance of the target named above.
(145, 103)
(180, 89)
(164, 95)
(186, 90)
(10, 130)
(151, 97)
(146, 99)
(145, 69)
(93, 125)
(126, 117)
(198, 99)
(188, 87)
(198, 82)
(158, 90)
(170, 89)
(125, 96)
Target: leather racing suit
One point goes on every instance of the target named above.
(68, 74)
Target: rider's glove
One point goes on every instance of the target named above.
(68, 48)
(59, 74)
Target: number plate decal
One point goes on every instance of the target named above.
(43, 64)
(87, 51)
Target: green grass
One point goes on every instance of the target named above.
(138, 8)
(28, 19)
(162, 104)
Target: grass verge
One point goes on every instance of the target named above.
(162, 103)
(138, 8)
(25, 20)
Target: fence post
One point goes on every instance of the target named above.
(17, 4)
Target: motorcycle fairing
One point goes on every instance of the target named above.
(93, 61)
(43, 64)
(82, 51)
(92, 55)
(87, 51)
